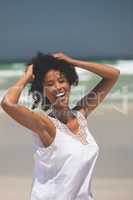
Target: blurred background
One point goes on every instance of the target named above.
(99, 31)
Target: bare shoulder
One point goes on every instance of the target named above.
(80, 109)
(83, 113)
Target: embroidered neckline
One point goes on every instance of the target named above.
(81, 135)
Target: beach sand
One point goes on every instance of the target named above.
(18, 188)
(113, 174)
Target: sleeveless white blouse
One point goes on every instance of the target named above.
(63, 170)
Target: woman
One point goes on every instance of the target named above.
(66, 151)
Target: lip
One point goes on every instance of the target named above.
(60, 94)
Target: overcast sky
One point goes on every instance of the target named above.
(88, 28)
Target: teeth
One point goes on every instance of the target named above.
(60, 94)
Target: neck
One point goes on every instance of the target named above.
(63, 115)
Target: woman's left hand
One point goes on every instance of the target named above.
(62, 56)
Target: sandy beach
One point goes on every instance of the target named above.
(14, 188)
(113, 175)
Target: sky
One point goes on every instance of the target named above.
(79, 28)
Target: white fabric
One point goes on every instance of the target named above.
(63, 170)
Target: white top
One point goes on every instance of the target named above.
(63, 170)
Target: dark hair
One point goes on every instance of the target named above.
(41, 65)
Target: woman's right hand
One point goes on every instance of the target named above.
(28, 73)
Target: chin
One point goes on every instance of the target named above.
(62, 106)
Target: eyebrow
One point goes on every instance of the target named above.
(47, 81)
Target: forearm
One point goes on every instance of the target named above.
(14, 92)
(102, 70)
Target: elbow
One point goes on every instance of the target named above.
(5, 104)
(114, 72)
(114, 75)
(117, 73)
(2, 103)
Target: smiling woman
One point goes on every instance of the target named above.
(44, 76)
(66, 151)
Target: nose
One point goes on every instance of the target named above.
(57, 87)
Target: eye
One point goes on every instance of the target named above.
(49, 84)
(62, 80)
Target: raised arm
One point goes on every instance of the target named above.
(35, 121)
(109, 77)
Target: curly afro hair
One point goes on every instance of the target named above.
(42, 63)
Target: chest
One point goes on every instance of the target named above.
(73, 126)
(67, 146)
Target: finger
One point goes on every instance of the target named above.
(55, 55)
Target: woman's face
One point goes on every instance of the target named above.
(57, 88)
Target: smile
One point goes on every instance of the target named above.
(61, 94)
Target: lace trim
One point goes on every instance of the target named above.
(81, 135)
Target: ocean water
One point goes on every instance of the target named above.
(122, 90)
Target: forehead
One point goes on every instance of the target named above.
(53, 74)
